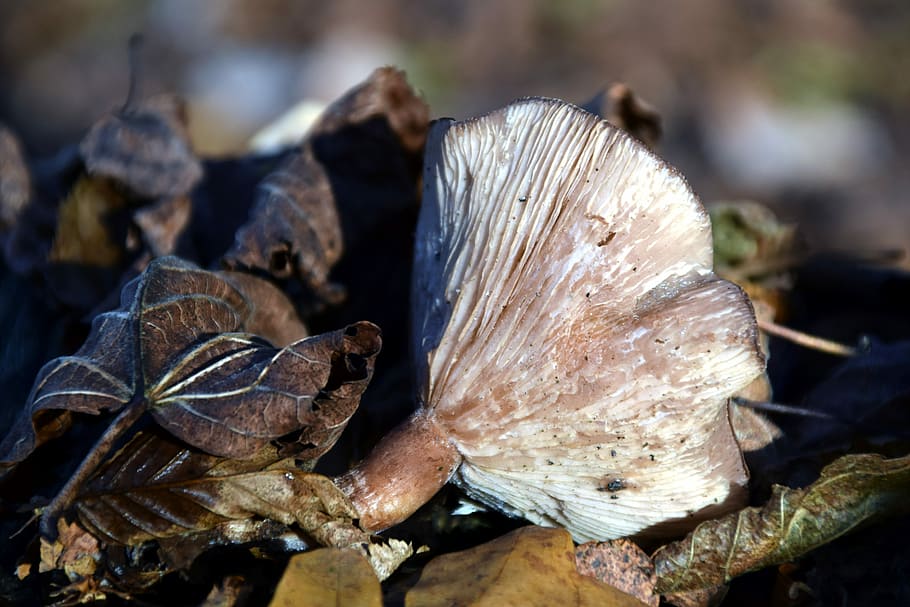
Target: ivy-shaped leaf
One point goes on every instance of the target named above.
(173, 346)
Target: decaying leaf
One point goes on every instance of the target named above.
(356, 164)
(155, 487)
(77, 226)
(233, 590)
(619, 105)
(162, 223)
(853, 490)
(529, 566)
(329, 576)
(173, 344)
(83, 235)
(146, 148)
(75, 551)
(756, 250)
(620, 564)
(15, 180)
(749, 239)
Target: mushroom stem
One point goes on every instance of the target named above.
(402, 473)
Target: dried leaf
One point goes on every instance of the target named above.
(155, 488)
(15, 180)
(83, 234)
(330, 576)
(75, 551)
(173, 346)
(619, 105)
(851, 491)
(753, 430)
(529, 566)
(233, 590)
(274, 316)
(359, 162)
(749, 238)
(703, 597)
(620, 564)
(162, 223)
(145, 148)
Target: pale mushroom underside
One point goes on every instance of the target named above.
(570, 335)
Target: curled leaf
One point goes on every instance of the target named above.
(619, 105)
(358, 162)
(851, 491)
(156, 488)
(529, 566)
(146, 148)
(166, 348)
(330, 576)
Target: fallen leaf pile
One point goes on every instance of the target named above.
(198, 334)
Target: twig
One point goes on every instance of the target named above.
(804, 339)
(132, 412)
(786, 409)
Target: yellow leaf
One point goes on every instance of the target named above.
(530, 566)
(328, 576)
(83, 236)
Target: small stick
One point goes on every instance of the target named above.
(132, 412)
(804, 339)
(135, 48)
(781, 408)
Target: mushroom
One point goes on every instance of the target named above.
(574, 350)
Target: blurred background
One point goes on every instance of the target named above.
(802, 106)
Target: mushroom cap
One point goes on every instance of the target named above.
(570, 335)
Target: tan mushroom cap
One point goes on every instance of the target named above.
(570, 336)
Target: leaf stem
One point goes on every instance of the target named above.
(65, 497)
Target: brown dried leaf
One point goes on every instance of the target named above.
(756, 250)
(173, 347)
(233, 590)
(145, 148)
(15, 180)
(83, 235)
(75, 551)
(529, 566)
(87, 253)
(330, 576)
(619, 105)
(162, 223)
(155, 488)
(274, 316)
(359, 162)
(620, 564)
(853, 490)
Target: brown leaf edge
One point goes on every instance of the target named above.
(851, 491)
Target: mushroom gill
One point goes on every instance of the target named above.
(575, 351)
